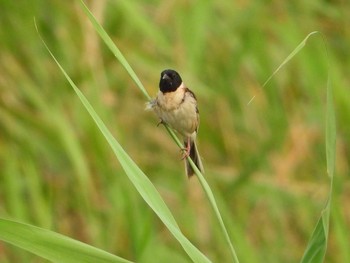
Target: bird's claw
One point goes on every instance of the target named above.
(186, 152)
(160, 122)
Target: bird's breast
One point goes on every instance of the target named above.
(179, 110)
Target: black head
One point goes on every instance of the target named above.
(170, 80)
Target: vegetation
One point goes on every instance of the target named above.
(265, 160)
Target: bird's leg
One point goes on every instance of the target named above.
(187, 149)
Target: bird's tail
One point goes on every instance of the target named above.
(194, 155)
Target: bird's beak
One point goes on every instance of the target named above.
(165, 76)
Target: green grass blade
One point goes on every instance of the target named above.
(52, 246)
(330, 132)
(214, 206)
(115, 50)
(317, 246)
(210, 197)
(141, 182)
(288, 58)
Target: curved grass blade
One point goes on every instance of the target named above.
(214, 206)
(317, 245)
(288, 58)
(53, 246)
(210, 197)
(115, 50)
(141, 182)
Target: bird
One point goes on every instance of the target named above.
(176, 106)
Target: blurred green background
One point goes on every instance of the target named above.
(264, 161)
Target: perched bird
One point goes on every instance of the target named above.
(176, 105)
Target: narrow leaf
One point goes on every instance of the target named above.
(288, 58)
(115, 50)
(214, 206)
(52, 246)
(317, 245)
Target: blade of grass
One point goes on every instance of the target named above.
(289, 57)
(214, 206)
(52, 246)
(317, 245)
(210, 197)
(115, 50)
(143, 23)
(203, 182)
(141, 182)
(330, 132)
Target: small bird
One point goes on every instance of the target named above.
(176, 105)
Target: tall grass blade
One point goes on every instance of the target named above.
(317, 245)
(53, 246)
(214, 206)
(141, 182)
(288, 58)
(210, 197)
(115, 50)
(330, 132)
